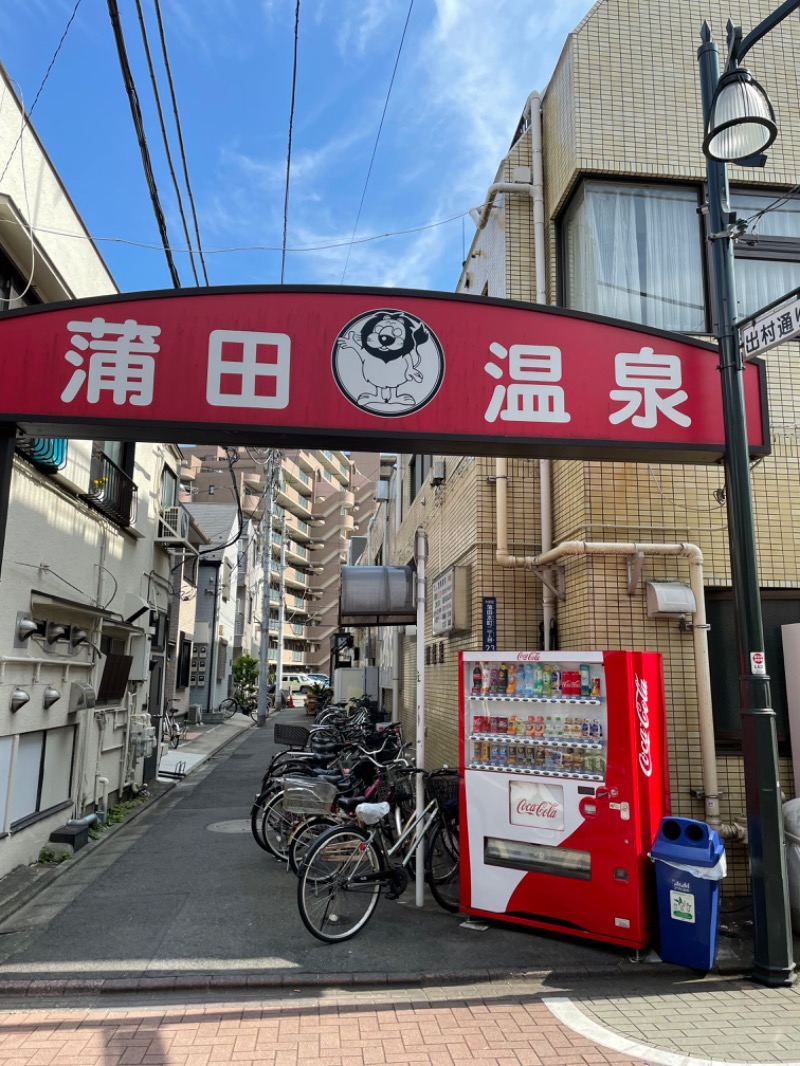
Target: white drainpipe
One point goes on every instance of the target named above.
(732, 831)
(549, 554)
(535, 190)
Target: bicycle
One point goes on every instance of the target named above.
(172, 729)
(345, 868)
(239, 703)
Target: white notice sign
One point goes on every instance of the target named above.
(774, 327)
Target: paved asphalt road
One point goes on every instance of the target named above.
(176, 940)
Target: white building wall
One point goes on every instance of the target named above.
(62, 553)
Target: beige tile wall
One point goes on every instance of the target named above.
(624, 99)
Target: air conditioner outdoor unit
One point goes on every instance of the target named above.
(173, 526)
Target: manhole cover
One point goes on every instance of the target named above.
(239, 825)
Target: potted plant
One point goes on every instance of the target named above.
(317, 695)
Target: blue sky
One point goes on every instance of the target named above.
(464, 74)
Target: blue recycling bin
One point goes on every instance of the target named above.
(689, 859)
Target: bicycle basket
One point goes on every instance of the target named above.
(305, 795)
(293, 736)
(442, 785)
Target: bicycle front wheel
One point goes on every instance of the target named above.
(305, 835)
(442, 866)
(174, 735)
(229, 707)
(339, 884)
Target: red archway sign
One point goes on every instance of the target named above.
(373, 369)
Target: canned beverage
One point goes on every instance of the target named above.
(596, 729)
(599, 763)
(493, 724)
(555, 681)
(586, 729)
(570, 683)
(585, 673)
(502, 725)
(595, 694)
(481, 724)
(588, 762)
(545, 687)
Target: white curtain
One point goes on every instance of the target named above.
(634, 253)
(759, 281)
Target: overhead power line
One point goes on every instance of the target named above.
(289, 147)
(138, 122)
(258, 247)
(165, 139)
(39, 91)
(378, 137)
(168, 69)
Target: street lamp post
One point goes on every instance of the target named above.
(739, 125)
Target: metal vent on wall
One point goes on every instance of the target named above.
(377, 595)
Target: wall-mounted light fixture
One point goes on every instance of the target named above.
(54, 631)
(19, 697)
(51, 696)
(77, 636)
(26, 627)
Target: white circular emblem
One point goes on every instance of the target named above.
(388, 363)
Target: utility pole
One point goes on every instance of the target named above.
(266, 581)
(281, 614)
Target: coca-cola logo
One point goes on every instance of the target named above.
(542, 809)
(643, 716)
(528, 656)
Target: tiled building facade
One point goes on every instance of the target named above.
(622, 232)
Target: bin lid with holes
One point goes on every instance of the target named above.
(685, 840)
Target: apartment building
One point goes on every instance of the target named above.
(319, 500)
(598, 207)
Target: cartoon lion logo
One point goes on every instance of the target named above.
(388, 362)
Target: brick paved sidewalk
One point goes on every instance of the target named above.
(436, 1028)
(668, 1022)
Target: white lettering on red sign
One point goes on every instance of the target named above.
(248, 369)
(643, 716)
(120, 361)
(757, 662)
(528, 398)
(645, 376)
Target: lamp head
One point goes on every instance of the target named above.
(741, 122)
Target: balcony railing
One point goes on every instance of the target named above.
(111, 491)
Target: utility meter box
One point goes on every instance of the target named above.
(669, 599)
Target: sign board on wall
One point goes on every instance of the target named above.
(489, 642)
(450, 601)
(773, 327)
(373, 369)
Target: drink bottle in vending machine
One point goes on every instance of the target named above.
(563, 757)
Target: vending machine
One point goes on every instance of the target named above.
(563, 760)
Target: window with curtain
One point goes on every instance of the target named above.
(768, 255)
(634, 252)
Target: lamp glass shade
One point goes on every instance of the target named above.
(741, 122)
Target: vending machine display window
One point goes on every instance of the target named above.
(546, 719)
(539, 857)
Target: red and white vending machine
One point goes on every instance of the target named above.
(564, 763)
